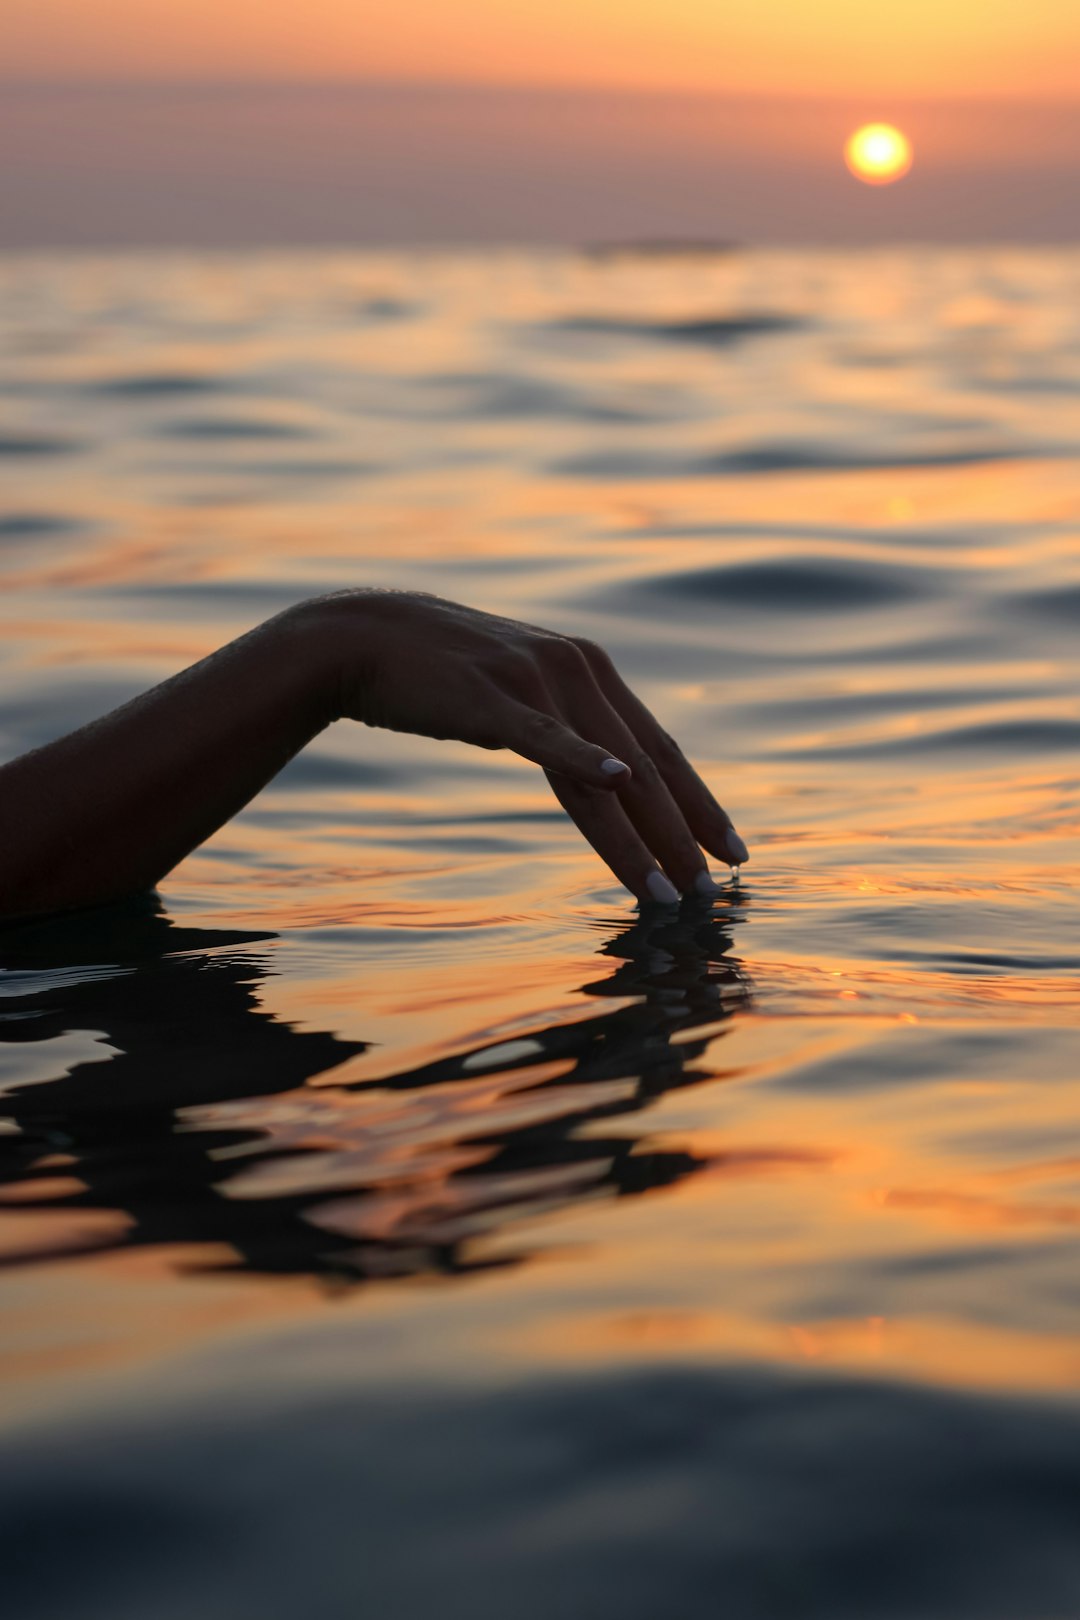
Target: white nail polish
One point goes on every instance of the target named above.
(613, 767)
(736, 848)
(705, 883)
(660, 889)
(497, 1057)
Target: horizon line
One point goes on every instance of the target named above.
(659, 247)
(510, 87)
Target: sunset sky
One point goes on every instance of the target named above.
(966, 47)
(488, 119)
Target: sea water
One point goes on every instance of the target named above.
(395, 1220)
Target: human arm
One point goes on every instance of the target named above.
(111, 808)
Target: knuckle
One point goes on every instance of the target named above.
(518, 672)
(511, 661)
(563, 656)
(540, 727)
(594, 655)
(644, 768)
(576, 796)
(669, 756)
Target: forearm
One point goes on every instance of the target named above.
(111, 808)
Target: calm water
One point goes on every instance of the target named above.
(395, 1221)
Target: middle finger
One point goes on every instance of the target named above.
(645, 796)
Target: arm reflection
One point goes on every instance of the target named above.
(201, 1128)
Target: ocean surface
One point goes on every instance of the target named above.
(395, 1220)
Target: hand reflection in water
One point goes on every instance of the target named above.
(202, 1130)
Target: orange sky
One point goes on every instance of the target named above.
(932, 47)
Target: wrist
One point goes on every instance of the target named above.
(332, 638)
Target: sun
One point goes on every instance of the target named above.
(878, 154)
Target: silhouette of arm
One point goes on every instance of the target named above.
(111, 808)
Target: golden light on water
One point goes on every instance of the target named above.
(630, 1188)
(878, 154)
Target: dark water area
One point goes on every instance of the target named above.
(394, 1219)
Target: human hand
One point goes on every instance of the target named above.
(415, 663)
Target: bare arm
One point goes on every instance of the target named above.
(113, 807)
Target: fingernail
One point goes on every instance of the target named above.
(613, 767)
(736, 848)
(705, 883)
(661, 889)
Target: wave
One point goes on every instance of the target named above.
(789, 456)
(502, 395)
(1016, 738)
(157, 385)
(714, 331)
(230, 428)
(1062, 603)
(39, 444)
(788, 584)
(36, 525)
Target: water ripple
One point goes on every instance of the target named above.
(392, 1090)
